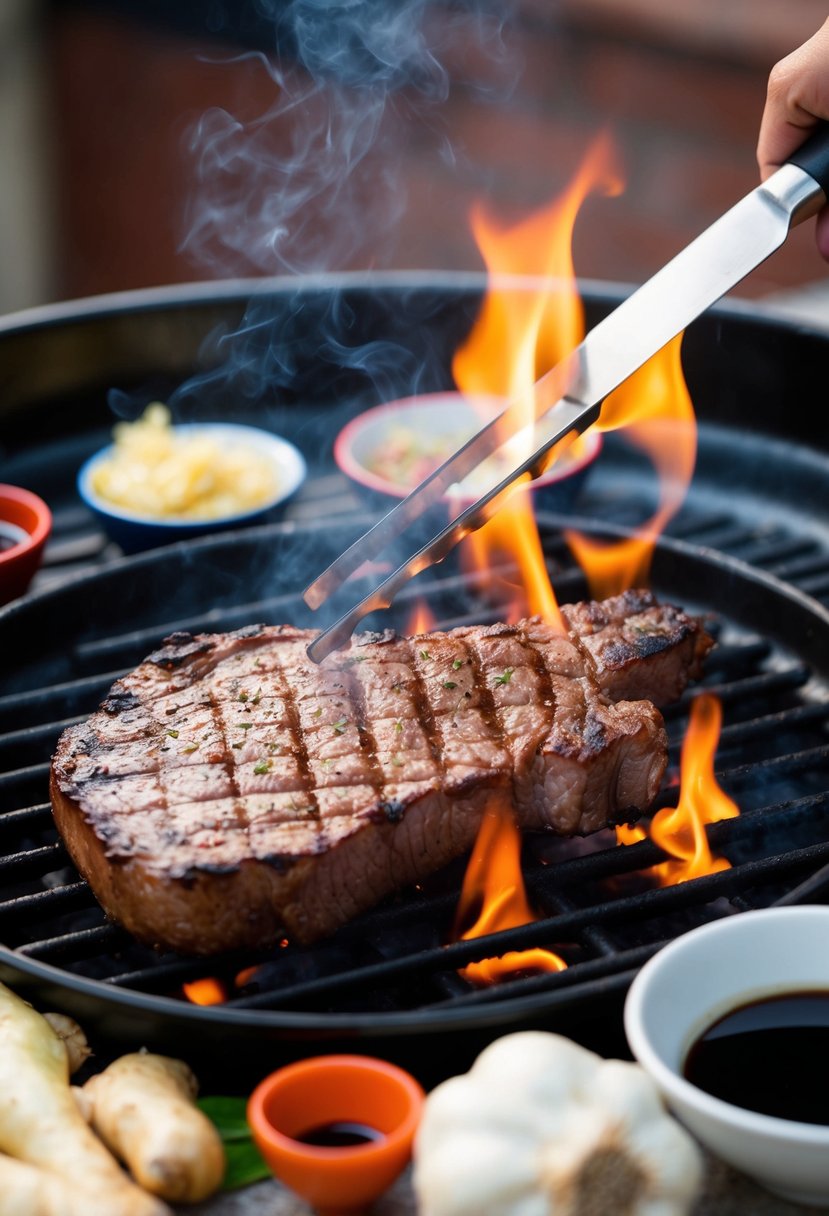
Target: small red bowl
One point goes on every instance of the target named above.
(336, 1089)
(25, 525)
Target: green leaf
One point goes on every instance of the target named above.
(244, 1165)
(244, 1161)
(229, 1116)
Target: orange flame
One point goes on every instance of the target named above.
(680, 830)
(208, 991)
(493, 883)
(654, 407)
(421, 620)
(211, 991)
(519, 335)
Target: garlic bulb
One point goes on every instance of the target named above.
(542, 1127)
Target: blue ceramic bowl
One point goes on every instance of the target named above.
(441, 422)
(134, 532)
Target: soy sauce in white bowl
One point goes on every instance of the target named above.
(769, 1055)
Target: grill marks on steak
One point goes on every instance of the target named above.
(230, 790)
(637, 647)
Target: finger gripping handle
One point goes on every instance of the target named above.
(813, 156)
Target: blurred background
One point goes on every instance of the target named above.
(150, 143)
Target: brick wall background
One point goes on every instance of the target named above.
(679, 86)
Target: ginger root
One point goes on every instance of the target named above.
(73, 1038)
(37, 1192)
(40, 1122)
(143, 1108)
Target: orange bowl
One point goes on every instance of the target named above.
(25, 525)
(331, 1090)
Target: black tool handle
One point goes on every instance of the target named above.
(813, 156)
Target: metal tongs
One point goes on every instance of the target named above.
(568, 398)
(560, 424)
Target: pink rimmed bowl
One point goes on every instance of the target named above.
(389, 449)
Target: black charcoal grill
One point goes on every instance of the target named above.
(750, 550)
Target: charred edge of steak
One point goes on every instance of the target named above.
(638, 647)
(177, 649)
(120, 700)
(182, 647)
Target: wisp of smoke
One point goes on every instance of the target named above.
(315, 181)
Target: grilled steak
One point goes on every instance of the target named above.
(229, 790)
(637, 647)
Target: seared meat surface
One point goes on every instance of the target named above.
(229, 790)
(637, 647)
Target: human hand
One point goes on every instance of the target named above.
(797, 99)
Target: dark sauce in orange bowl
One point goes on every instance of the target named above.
(341, 1134)
(770, 1055)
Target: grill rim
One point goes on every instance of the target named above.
(202, 293)
(20, 390)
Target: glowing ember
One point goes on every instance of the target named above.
(680, 831)
(493, 885)
(205, 992)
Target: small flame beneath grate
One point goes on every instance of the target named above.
(422, 619)
(680, 830)
(493, 885)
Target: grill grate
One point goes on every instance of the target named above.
(596, 905)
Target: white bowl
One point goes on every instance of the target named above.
(697, 979)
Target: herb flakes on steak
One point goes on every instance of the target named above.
(229, 790)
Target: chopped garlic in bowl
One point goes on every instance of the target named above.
(159, 482)
(159, 470)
